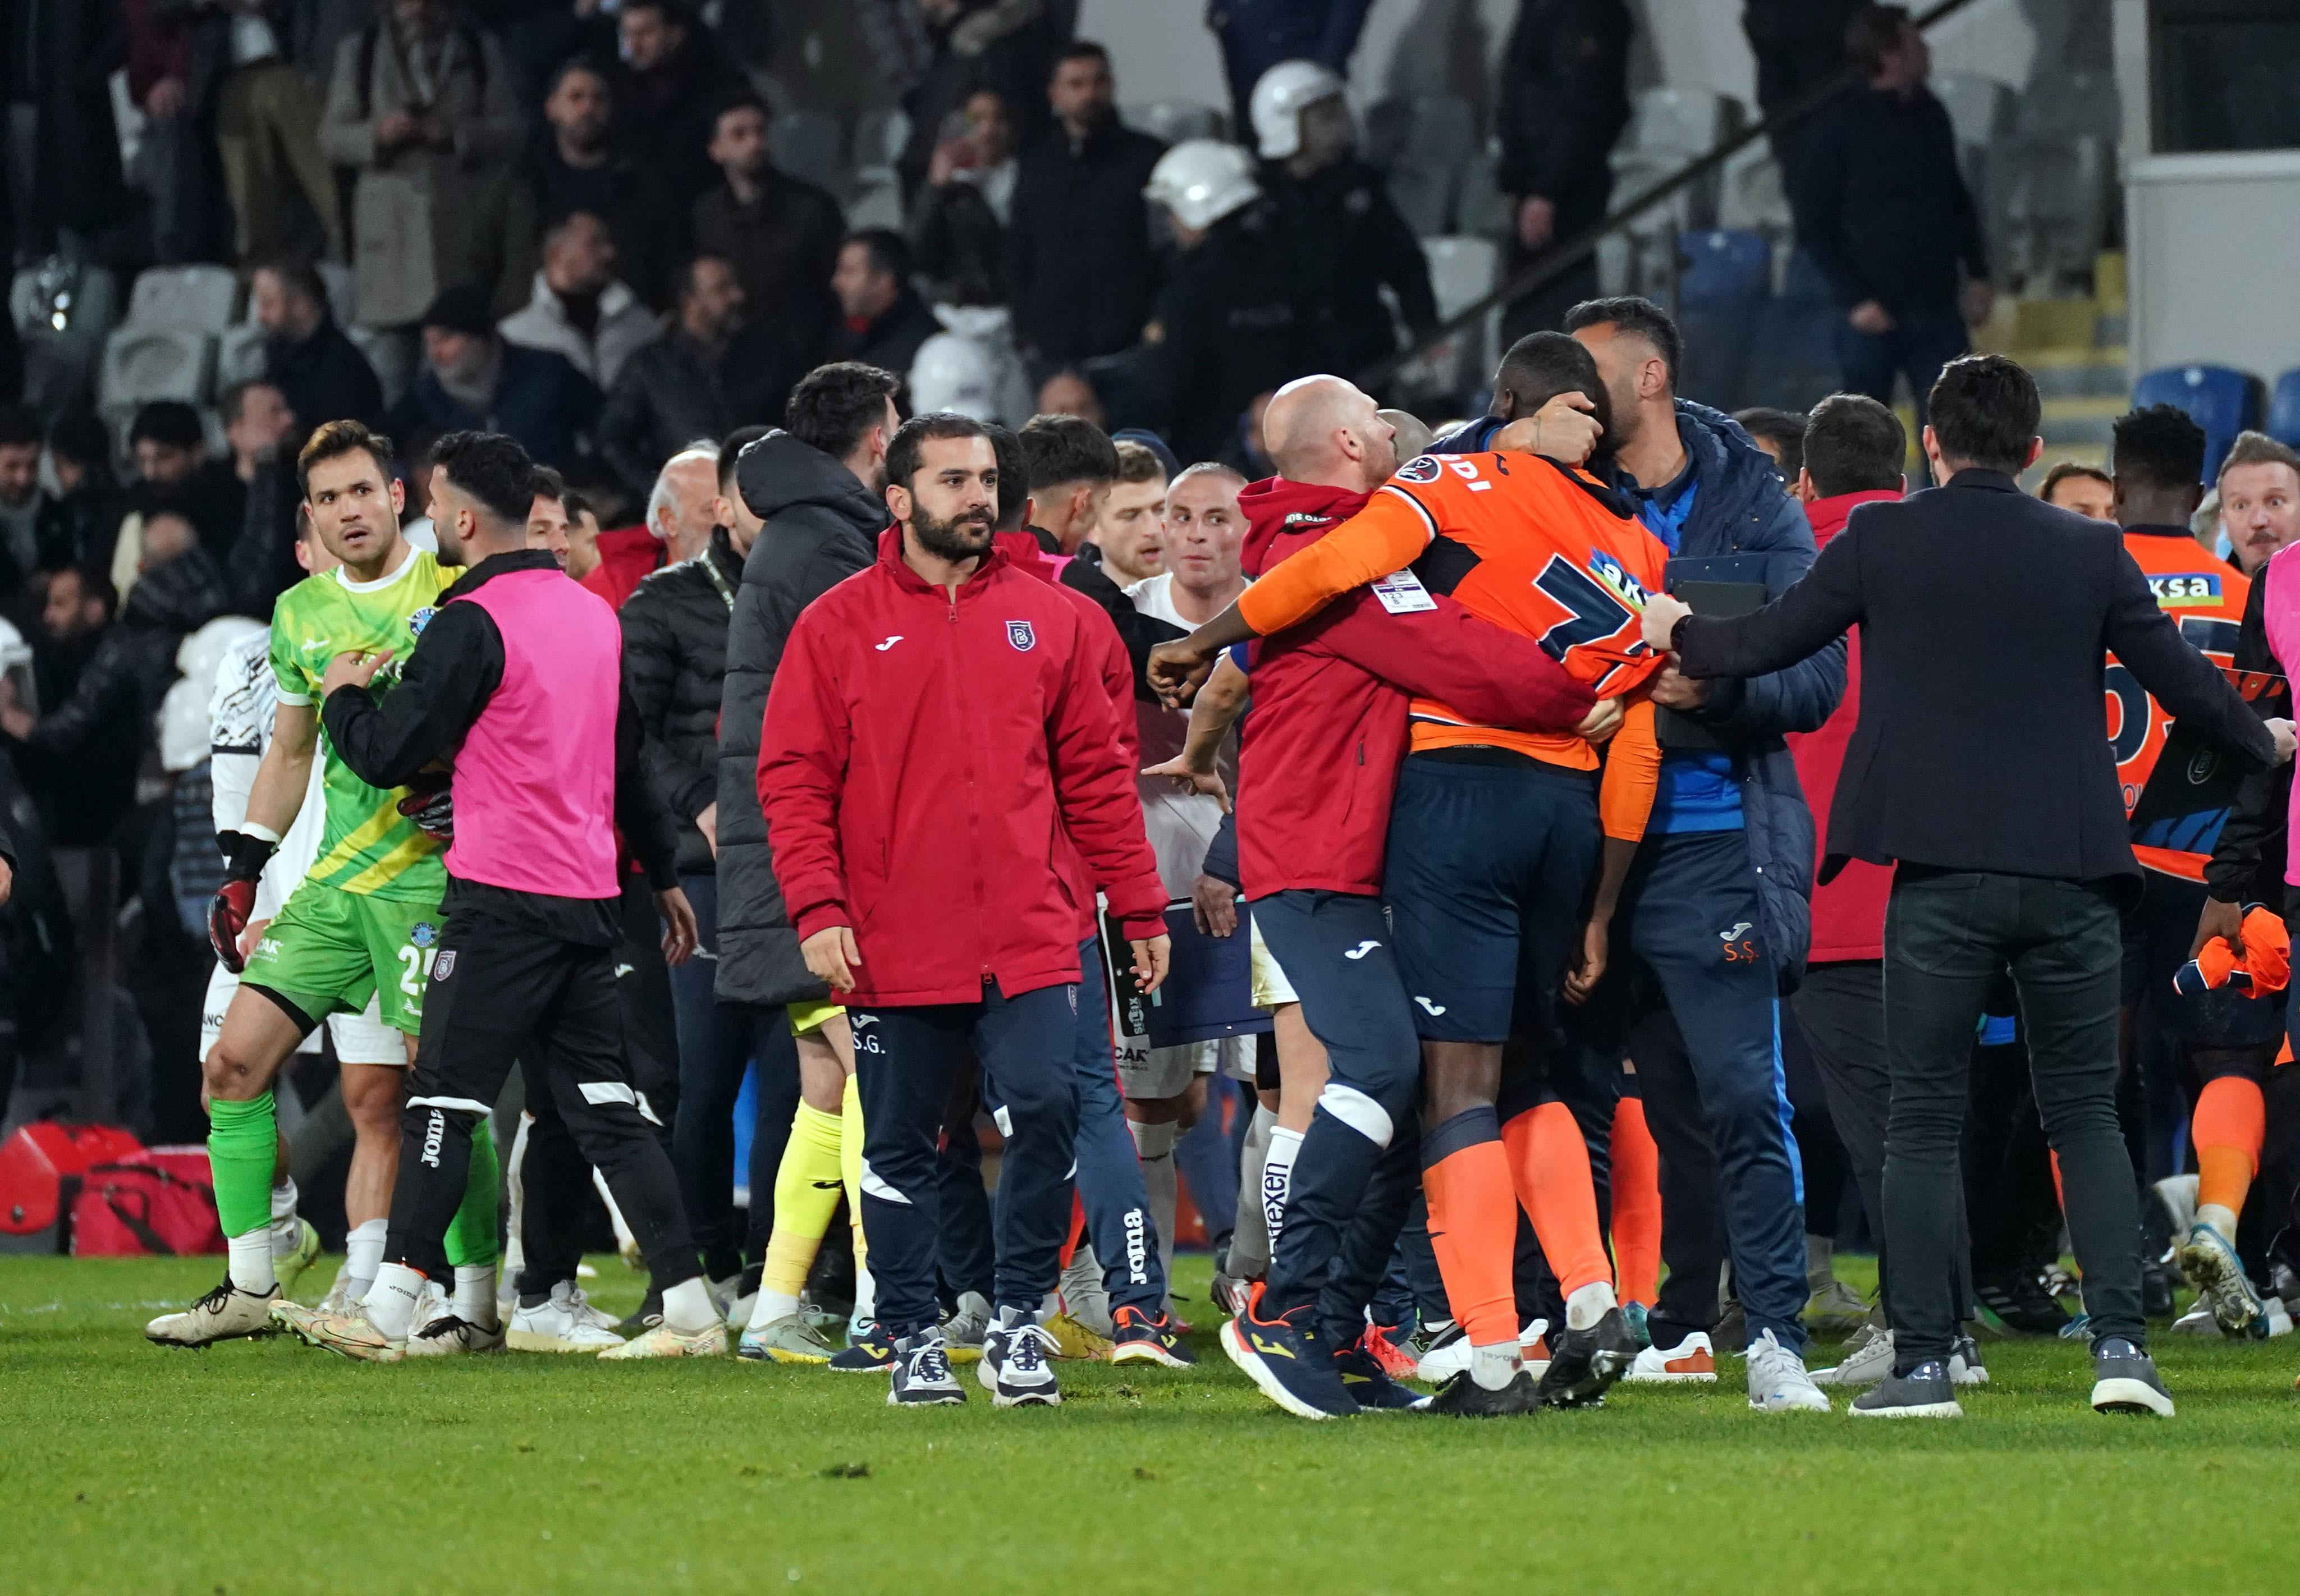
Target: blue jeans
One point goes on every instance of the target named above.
(1920, 343)
(717, 1043)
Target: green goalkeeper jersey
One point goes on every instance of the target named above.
(366, 846)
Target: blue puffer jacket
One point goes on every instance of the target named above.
(1742, 509)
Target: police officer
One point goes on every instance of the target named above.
(1226, 328)
(1348, 239)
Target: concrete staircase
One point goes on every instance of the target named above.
(2075, 347)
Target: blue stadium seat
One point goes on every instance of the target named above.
(2284, 409)
(2219, 399)
(1724, 267)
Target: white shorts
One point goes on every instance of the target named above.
(1270, 988)
(359, 1038)
(1150, 1073)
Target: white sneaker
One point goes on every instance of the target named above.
(661, 1340)
(1777, 1382)
(565, 1322)
(437, 1331)
(724, 1294)
(1868, 1358)
(1449, 1355)
(294, 1248)
(224, 1314)
(1017, 1368)
(1691, 1360)
(2177, 1196)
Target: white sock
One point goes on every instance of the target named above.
(1277, 1178)
(1494, 1367)
(866, 1294)
(687, 1308)
(391, 1305)
(2220, 1220)
(283, 1200)
(363, 1256)
(514, 1256)
(625, 1241)
(1153, 1144)
(771, 1306)
(1249, 1243)
(250, 1261)
(1588, 1303)
(475, 1294)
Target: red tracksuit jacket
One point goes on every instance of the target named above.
(1848, 911)
(920, 764)
(1319, 762)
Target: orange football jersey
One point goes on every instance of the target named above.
(2205, 597)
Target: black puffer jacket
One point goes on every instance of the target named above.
(822, 526)
(89, 747)
(674, 660)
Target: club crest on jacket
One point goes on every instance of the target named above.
(1019, 634)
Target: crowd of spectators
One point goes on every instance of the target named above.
(571, 222)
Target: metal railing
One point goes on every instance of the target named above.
(1563, 257)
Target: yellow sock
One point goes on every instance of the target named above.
(850, 1163)
(806, 1195)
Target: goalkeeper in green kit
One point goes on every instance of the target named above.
(364, 923)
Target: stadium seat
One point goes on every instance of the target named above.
(806, 147)
(1463, 270)
(1752, 198)
(2284, 409)
(143, 364)
(2222, 400)
(1979, 108)
(879, 138)
(1423, 144)
(2048, 208)
(62, 311)
(1174, 120)
(392, 354)
(199, 297)
(239, 355)
(1724, 282)
(1724, 267)
(337, 278)
(1684, 122)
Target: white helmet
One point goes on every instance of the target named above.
(1202, 180)
(201, 653)
(1279, 97)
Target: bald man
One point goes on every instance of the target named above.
(1318, 768)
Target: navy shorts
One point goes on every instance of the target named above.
(1488, 865)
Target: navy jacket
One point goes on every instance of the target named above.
(540, 400)
(1882, 203)
(1742, 509)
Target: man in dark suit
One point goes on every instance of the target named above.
(1978, 769)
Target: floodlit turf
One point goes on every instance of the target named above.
(266, 1466)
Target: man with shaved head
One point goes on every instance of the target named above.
(1319, 762)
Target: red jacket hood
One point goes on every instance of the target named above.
(1275, 506)
(1828, 516)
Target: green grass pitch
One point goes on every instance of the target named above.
(266, 1466)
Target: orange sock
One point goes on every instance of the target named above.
(2228, 1125)
(2058, 1196)
(1549, 1164)
(1473, 1230)
(1637, 1205)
